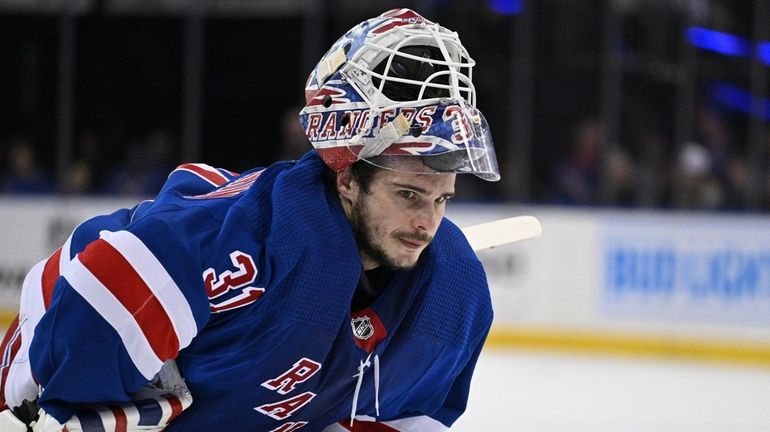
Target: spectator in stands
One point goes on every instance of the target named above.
(699, 187)
(654, 176)
(713, 132)
(22, 174)
(79, 178)
(145, 168)
(577, 178)
(622, 177)
(89, 165)
(765, 179)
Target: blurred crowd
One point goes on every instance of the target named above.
(141, 171)
(708, 173)
(127, 123)
(712, 172)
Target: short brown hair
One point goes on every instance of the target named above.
(363, 173)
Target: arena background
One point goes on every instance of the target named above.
(636, 130)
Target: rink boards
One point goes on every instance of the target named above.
(628, 282)
(632, 282)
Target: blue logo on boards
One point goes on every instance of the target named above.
(696, 274)
(728, 274)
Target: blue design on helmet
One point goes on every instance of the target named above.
(398, 85)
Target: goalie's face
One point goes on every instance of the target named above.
(398, 217)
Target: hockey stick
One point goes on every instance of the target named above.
(501, 232)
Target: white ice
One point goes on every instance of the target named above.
(545, 392)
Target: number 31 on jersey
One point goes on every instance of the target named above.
(232, 289)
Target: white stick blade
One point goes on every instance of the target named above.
(503, 231)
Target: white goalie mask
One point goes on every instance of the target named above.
(398, 85)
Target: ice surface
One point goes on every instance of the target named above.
(545, 392)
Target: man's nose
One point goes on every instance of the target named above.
(426, 218)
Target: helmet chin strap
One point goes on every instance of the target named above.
(387, 135)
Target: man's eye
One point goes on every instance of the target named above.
(406, 194)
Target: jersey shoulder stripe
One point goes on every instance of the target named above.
(50, 274)
(112, 310)
(234, 188)
(121, 280)
(54, 266)
(206, 172)
(158, 280)
(127, 285)
(66, 252)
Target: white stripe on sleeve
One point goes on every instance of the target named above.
(158, 281)
(64, 256)
(110, 308)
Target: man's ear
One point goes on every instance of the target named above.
(347, 186)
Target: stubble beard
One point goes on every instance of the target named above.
(367, 241)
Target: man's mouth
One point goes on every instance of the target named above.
(411, 244)
(414, 241)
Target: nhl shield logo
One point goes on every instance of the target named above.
(362, 327)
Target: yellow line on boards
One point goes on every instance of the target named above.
(632, 344)
(605, 342)
(6, 318)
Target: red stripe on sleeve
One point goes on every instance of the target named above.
(214, 176)
(50, 274)
(117, 274)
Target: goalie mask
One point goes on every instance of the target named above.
(398, 85)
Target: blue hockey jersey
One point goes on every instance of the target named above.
(247, 280)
